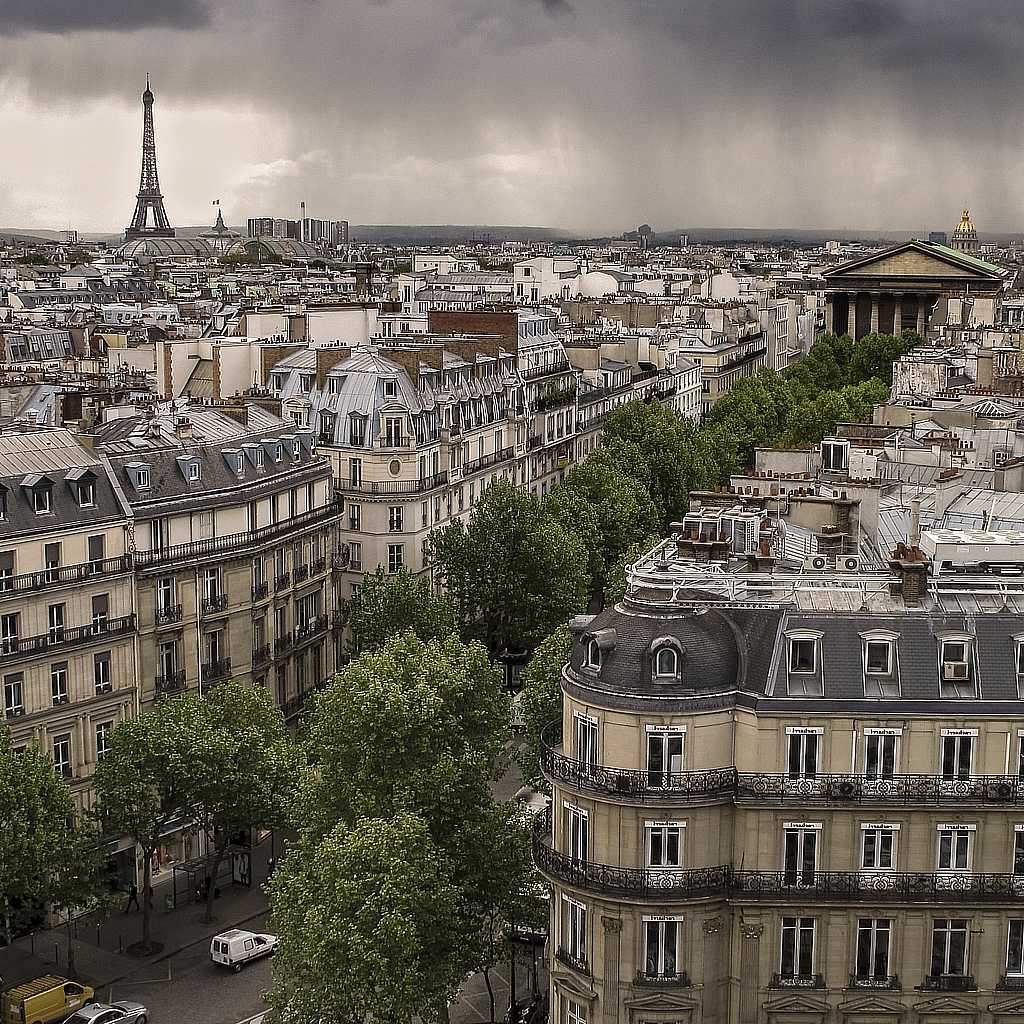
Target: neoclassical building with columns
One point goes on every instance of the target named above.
(897, 289)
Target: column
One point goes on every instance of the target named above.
(851, 315)
(750, 964)
(612, 934)
(714, 970)
(920, 315)
(874, 311)
(830, 310)
(897, 316)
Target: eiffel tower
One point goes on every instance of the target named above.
(149, 200)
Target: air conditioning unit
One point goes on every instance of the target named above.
(818, 563)
(848, 563)
(953, 670)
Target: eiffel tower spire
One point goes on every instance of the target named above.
(149, 200)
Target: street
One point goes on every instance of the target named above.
(198, 992)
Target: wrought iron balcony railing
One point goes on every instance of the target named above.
(282, 581)
(474, 465)
(215, 603)
(62, 575)
(722, 880)
(312, 628)
(215, 671)
(301, 573)
(577, 963)
(236, 543)
(1011, 983)
(12, 647)
(171, 682)
(341, 559)
(797, 981)
(680, 979)
(949, 983)
(282, 645)
(261, 591)
(168, 614)
(260, 655)
(875, 981)
(776, 788)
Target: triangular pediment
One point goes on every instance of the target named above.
(1014, 1004)
(570, 983)
(873, 1003)
(917, 261)
(797, 1003)
(669, 999)
(947, 1004)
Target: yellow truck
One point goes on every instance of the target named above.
(42, 1000)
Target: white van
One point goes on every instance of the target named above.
(236, 948)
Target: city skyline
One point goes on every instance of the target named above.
(454, 111)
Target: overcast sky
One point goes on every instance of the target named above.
(592, 115)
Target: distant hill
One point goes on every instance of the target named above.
(448, 234)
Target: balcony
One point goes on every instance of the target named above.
(172, 682)
(797, 981)
(63, 575)
(633, 784)
(536, 372)
(301, 574)
(282, 582)
(261, 591)
(1011, 983)
(239, 542)
(215, 603)
(13, 647)
(282, 645)
(475, 465)
(260, 656)
(310, 630)
(385, 487)
(340, 560)
(216, 671)
(390, 441)
(871, 887)
(891, 982)
(908, 790)
(168, 615)
(577, 963)
(555, 399)
(949, 983)
(678, 980)
(757, 787)
(318, 565)
(339, 617)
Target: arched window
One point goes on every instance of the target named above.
(593, 658)
(666, 663)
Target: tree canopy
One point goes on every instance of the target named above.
(515, 572)
(391, 603)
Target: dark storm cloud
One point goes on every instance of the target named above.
(592, 114)
(58, 17)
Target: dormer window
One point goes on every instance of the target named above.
(278, 452)
(259, 458)
(881, 664)
(3, 502)
(41, 504)
(802, 654)
(666, 663)
(390, 385)
(193, 471)
(592, 657)
(234, 459)
(956, 678)
(86, 493)
(1019, 663)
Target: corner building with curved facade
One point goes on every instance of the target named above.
(791, 797)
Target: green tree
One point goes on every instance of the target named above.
(370, 923)
(154, 764)
(615, 586)
(251, 770)
(37, 812)
(874, 355)
(515, 572)
(540, 702)
(621, 505)
(391, 603)
(412, 726)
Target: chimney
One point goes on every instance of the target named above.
(911, 566)
(984, 368)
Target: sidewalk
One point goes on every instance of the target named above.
(100, 944)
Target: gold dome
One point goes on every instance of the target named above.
(965, 227)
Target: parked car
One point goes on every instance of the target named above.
(235, 948)
(43, 1000)
(121, 1012)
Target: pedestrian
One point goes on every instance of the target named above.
(133, 897)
